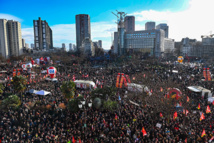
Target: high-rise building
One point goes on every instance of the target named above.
(3, 38)
(70, 47)
(100, 43)
(63, 45)
(74, 47)
(43, 39)
(150, 25)
(32, 46)
(164, 27)
(130, 23)
(83, 29)
(15, 38)
(26, 45)
(23, 43)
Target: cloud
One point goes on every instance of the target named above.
(193, 22)
(9, 17)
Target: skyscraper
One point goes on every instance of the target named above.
(164, 27)
(150, 25)
(100, 43)
(14, 38)
(63, 45)
(23, 43)
(32, 46)
(130, 23)
(42, 35)
(70, 47)
(3, 38)
(10, 38)
(83, 29)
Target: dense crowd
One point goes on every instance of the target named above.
(92, 125)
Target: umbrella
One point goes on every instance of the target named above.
(42, 92)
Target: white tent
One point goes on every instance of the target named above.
(201, 90)
(210, 99)
(85, 84)
(32, 91)
(42, 92)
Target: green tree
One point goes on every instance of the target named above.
(104, 93)
(110, 105)
(68, 89)
(1, 89)
(12, 101)
(73, 103)
(19, 83)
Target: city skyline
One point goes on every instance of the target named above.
(183, 18)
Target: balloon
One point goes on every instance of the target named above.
(24, 66)
(51, 71)
(29, 65)
(180, 59)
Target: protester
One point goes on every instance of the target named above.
(131, 124)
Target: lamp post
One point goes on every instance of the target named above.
(83, 105)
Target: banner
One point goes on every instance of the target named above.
(117, 81)
(121, 81)
(128, 78)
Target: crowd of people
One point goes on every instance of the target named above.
(129, 123)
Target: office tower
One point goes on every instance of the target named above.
(164, 27)
(63, 45)
(83, 29)
(150, 25)
(15, 38)
(32, 46)
(100, 43)
(74, 47)
(3, 39)
(130, 23)
(70, 47)
(23, 43)
(26, 45)
(43, 39)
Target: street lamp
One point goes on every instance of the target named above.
(83, 105)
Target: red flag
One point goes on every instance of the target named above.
(185, 140)
(208, 109)
(104, 121)
(202, 117)
(73, 140)
(116, 117)
(213, 102)
(199, 107)
(161, 115)
(144, 132)
(180, 104)
(161, 89)
(185, 112)
(203, 133)
(187, 99)
(151, 91)
(80, 141)
(175, 115)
